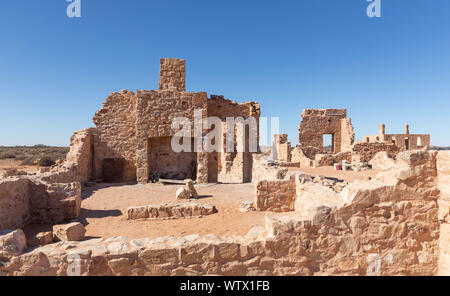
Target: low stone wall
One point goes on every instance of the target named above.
(364, 152)
(264, 170)
(275, 195)
(26, 200)
(171, 211)
(331, 159)
(14, 202)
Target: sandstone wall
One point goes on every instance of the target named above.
(233, 167)
(275, 195)
(317, 122)
(263, 170)
(364, 152)
(14, 203)
(80, 153)
(331, 159)
(156, 110)
(116, 132)
(172, 74)
(443, 170)
(347, 134)
(26, 200)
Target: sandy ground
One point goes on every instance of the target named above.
(6, 164)
(104, 211)
(104, 208)
(329, 171)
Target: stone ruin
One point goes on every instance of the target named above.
(316, 123)
(133, 133)
(313, 225)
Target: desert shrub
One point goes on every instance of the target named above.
(6, 155)
(29, 160)
(46, 161)
(14, 172)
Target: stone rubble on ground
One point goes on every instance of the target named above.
(74, 231)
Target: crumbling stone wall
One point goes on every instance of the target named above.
(317, 122)
(331, 159)
(265, 170)
(14, 202)
(275, 195)
(364, 152)
(128, 123)
(116, 133)
(404, 141)
(26, 200)
(156, 110)
(233, 167)
(170, 211)
(172, 75)
(443, 171)
(80, 153)
(281, 150)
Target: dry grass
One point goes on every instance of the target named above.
(29, 154)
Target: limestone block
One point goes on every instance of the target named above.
(40, 239)
(170, 211)
(190, 186)
(12, 242)
(69, 232)
(183, 193)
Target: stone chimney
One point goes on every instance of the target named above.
(382, 129)
(407, 129)
(172, 74)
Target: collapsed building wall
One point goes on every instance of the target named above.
(133, 133)
(319, 122)
(404, 141)
(26, 200)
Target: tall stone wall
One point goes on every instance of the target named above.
(80, 153)
(116, 132)
(156, 110)
(233, 167)
(347, 134)
(318, 122)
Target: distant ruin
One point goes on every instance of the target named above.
(316, 123)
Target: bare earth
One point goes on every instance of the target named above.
(6, 164)
(104, 208)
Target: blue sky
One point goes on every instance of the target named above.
(289, 55)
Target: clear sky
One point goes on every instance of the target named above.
(56, 71)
